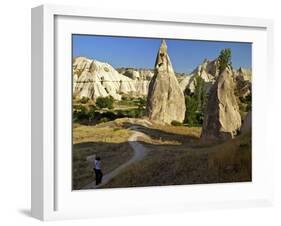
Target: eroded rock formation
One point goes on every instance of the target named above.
(208, 71)
(136, 74)
(93, 79)
(165, 100)
(222, 119)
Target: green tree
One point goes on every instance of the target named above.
(195, 103)
(141, 103)
(224, 59)
(79, 113)
(199, 93)
(105, 102)
(190, 113)
(91, 114)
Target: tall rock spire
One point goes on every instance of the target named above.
(222, 119)
(165, 100)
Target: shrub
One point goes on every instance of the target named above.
(84, 100)
(83, 114)
(130, 113)
(116, 129)
(125, 97)
(80, 113)
(176, 123)
(104, 119)
(91, 114)
(105, 102)
(79, 108)
(141, 102)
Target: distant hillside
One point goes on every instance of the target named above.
(92, 78)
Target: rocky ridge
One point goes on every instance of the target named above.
(92, 79)
(209, 71)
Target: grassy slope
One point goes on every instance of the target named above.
(108, 140)
(177, 157)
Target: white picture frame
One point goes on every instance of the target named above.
(51, 196)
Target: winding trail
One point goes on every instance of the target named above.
(139, 153)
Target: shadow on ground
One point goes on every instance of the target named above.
(25, 212)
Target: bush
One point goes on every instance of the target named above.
(83, 114)
(130, 113)
(84, 100)
(134, 113)
(105, 102)
(91, 114)
(80, 113)
(176, 123)
(104, 119)
(79, 108)
(125, 97)
(141, 102)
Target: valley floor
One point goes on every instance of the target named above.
(173, 155)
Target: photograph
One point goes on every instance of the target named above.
(160, 111)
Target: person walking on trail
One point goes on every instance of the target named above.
(97, 169)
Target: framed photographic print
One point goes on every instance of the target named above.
(145, 112)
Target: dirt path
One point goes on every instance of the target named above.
(139, 153)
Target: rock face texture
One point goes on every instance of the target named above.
(93, 79)
(247, 124)
(208, 71)
(165, 100)
(141, 77)
(136, 74)
(246, 74)
(243, 82)
(222, 119)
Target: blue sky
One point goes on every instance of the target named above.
(141, 52)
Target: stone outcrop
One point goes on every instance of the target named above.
(165, 100)
(141, 78)
(247, 124)
(246, 74)
(136, 74)
(243, 82)
(93, 79)
(222, 119)
(208, 71)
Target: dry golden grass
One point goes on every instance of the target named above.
(108, 140)
(104, 132)
(176, 164)
(180, 130)
(232, 159)
(176, 155)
